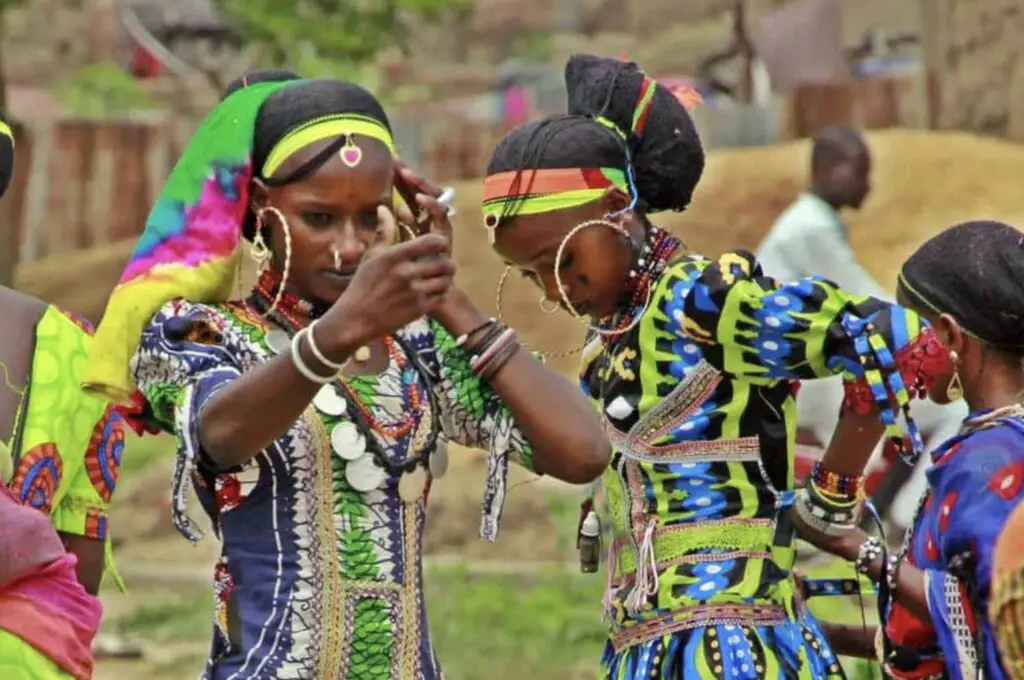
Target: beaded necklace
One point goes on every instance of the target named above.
(657, 250)
(293, 313)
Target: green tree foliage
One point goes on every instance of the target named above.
(104, 90)
(343, 31)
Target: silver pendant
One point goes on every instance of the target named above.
(438, 460)
(363, 474)
(412, 485)
(278, 340)
(329, 402)
(347, 441)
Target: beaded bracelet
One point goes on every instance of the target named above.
(817, 519)
(843, 512)
(837, 485)
(870, 550)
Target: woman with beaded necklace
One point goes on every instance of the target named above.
(693, 364)
(313, 413)
(967, 282)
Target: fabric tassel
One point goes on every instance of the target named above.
(646, 584)
(609, 590)
(497, 479)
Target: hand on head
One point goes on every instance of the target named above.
(433, 215)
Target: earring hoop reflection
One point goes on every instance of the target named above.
(552, 309)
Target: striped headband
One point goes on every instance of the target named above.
(5, 130)
(536, 191)
(327, 127)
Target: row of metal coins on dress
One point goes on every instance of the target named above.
(362, 472)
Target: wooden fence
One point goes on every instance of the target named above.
(80, 184)
(870, 104)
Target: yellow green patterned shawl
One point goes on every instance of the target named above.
(68, 443)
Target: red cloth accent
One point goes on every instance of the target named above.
(52, 612)
(906, 630)
(132, 415)
(920, 364)
(144, 64)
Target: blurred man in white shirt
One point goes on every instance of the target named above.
(811, 238)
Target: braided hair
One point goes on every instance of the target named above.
(975, 273)
(667, 157)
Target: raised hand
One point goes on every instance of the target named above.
(425, 194)
(394, 285)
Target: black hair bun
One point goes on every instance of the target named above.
(667, 155)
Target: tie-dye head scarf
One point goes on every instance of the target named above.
(190, 247)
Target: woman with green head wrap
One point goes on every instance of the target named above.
(313, 412)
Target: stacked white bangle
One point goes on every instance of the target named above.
(300, 364)
(315, 349)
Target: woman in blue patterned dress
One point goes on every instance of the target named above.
(313, 413)
(966, 281)
(693, 363)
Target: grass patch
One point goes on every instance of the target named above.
(543, 626)
(182, 617)
(140, 452)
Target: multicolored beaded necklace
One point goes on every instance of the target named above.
(294, 313)
(657, 250)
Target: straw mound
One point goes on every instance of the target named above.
(923, 182)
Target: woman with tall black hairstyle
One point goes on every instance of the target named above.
(313, 413)
(693, 363)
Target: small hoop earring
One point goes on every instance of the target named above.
(553, 309)
(955, 388)
(501, 319)
(287, 233)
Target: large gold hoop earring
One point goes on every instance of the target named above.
(501, 319)
(955, 388)
(286, 231)
(561, 287)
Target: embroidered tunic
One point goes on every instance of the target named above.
(699, 401)
(974, 484)
(315, 579)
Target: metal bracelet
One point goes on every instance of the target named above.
(870, 550)
(806, 512)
